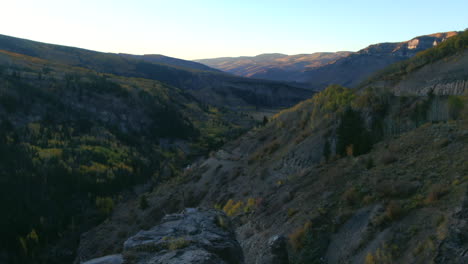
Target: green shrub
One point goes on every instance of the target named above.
(143, 202)
(369, 163)
(352, 196)
(353, 138)
(455, 105)
(436, 192)
(326, 150)
(105, 205)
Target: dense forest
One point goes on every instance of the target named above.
(72, 141)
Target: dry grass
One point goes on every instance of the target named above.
(393, 211)
(436, 192)
(352, 196)
(178, 243)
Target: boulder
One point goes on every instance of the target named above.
(112, 259)
(278, 250)
(194, 236)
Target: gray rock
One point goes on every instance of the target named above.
(194, 236)
(112, 259)
(278, 250)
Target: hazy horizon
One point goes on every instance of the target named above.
(194, 30)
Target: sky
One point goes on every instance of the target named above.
(198, 29)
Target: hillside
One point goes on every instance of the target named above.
(207, 85)
(318, 70)
(74, 142)
(161, 59)
(279, 67)
(401, 201)
(347, 176)
(439, 70)
(354, 69)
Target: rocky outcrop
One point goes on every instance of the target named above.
(278, 250)
(454, 249)
(319, 70)
(112, 259)
(354, 69)
(193, 236)
(444, 77)
(455, 87)
(407, 48)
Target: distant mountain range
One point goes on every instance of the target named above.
(206, 84)
(318, 70)
(274, 66)
(169, 61)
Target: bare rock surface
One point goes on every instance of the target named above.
(112, 259)
(193, 236)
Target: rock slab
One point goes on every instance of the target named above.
(194, 236)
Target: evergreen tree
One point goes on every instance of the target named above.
(326, 150)
(143, 202)
(352, 133)
(265, 121)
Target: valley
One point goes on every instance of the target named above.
(354, 176)
(329, 157)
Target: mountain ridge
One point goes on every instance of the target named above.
(263, 65)
(346, 68)
(210, 86)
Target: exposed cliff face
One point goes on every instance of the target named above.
(444, 77)
(352, 70)
(319, 70)
(407, 48)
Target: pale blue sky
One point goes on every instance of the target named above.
(215, 28)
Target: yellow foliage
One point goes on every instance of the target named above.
(33, 236)
(381, 256)
(95, 167)
(350, 150)
(105, 205)
(34, 128)
(251, 203)
(297, 237)
(370, 259)
(232, 208)
(50, 153)
(23, 244)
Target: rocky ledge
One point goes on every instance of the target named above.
(193, 236)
